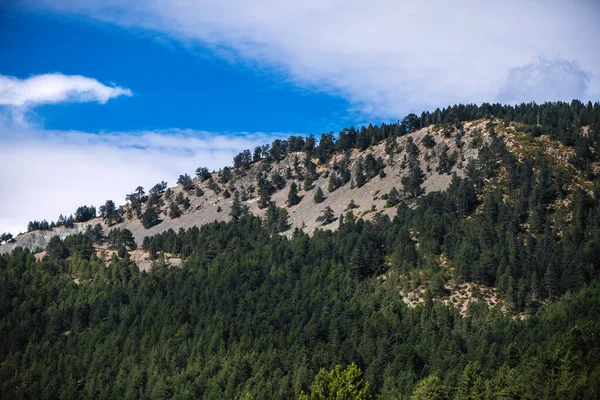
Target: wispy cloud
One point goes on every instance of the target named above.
(55, 88)
(386, 57)
(48, 173)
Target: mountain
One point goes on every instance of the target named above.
(216, 192)
(450, 255)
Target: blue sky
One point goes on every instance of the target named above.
(174, 85)
(100, 96)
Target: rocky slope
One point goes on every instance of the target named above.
(369, 199)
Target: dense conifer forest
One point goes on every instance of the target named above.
(255, 314)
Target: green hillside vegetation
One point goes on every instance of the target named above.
(254, 314)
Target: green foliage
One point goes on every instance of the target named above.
(150, 217)
(242, 160)
(393, 198)
(412, 182)
(293, 197)
(276, 219)
(251, 313)
(85, 213)
(238, 209)
(158, 189)
(118, 237)
(430, 388)
(428, 141)
(225, 175)
(6, 238)
(446, 162)
(359, 174)
(319, 196)
(186, 181)
(174, 211)
(338, 384)
(335, 181)
(203, 173)
(278, 181)
(109, 213)
(327, 216)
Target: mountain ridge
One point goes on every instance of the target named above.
(203, 209)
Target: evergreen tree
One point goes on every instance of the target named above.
(174, 211)
(278, 181)
(293, 197)
(359, 174)
(109, 213)
(393, 198)
(334, 182)
(6, 238)
(319, 196)
(358, 263)
(238, 209)
(150, 217)
(203, 174)
(85, 213)
(428, 141)
(430, 388)
(327, 216)
(413, 151)
(446, 162)
(471, 385)
(310, 175)
(339, 384)
(225, 175)
(186, 181)
(412, 182)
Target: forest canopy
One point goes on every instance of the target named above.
(255, 314)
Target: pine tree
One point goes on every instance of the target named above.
(428, 141)
(471, 385)
(203, 174)
(334, 182)
(429, 388)
(327, 216)
(174, 211)
(238, 209)
(358, 263)
(293, 197)
(150, 217)
(360, 178)
(186, 181)
(283, 223)
(108, 212)
(338, 384)
(319, 196)
(444, 163)
(393, 198)
(412, 182)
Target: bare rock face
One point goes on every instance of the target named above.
(369, 199)
(40, 239)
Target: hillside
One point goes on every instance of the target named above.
(460, 260)
(369, 199)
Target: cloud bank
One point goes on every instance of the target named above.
(545, 80)
(54, 172)
(386, 57)
(55, 88)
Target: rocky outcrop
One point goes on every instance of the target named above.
(40, 239)
(368, 199)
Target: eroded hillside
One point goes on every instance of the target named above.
(211, 199)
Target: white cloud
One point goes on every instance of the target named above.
(47, 173)
(387, 57)
(545, 80)
(55, 88)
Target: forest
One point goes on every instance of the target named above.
(252, 314)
